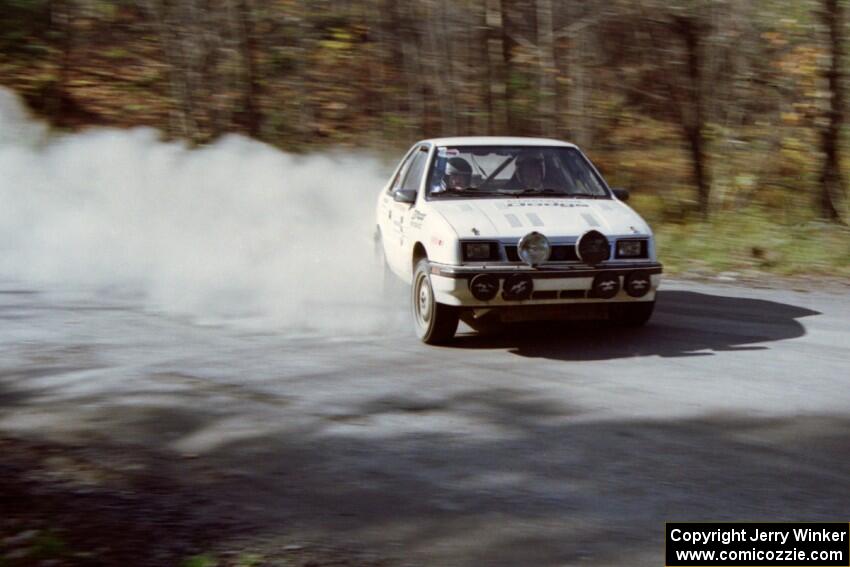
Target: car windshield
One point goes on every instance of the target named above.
(507, 171)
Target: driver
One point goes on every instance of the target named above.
(458, 175)
(530, 171)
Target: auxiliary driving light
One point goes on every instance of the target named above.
(592, 247)
(605, 286)
(484, 287)
(517, 287)
(534, 249)
(638, 284)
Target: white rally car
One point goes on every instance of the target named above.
(513, 229)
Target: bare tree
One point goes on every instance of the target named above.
(512, 120)
(441, 70)
(672, 81)
(180, 122)
(62, 16)
(831, 181)
(248, 50)
(402, 16)
(581, 37)
(496, 67)
(690, 105)
(547, 69)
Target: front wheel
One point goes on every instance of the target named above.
(435, 322)
(632, 314)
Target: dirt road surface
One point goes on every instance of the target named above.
(534, 447)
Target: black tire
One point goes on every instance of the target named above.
(632, 314)
(435, 323)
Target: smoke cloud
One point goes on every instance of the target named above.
(236, 230)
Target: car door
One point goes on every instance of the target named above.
(397, 230)
(385, 200)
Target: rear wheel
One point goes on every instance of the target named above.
(632, 314)
(435, 323)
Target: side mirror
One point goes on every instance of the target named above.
(405, 196)
(621, 194)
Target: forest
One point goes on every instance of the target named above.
(703, 109)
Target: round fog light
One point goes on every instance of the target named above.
(517, 287)
(593, 248)
(484, 287)
(534, 248)
(605, 286)
(638, 284)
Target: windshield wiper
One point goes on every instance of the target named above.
(470, 191)
(549, 191)
(544, 191)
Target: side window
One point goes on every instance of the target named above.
(405, 163)
(413, 177)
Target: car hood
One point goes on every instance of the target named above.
(553, 217)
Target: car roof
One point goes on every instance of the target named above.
(495, 141)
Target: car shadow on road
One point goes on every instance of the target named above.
(685, 324)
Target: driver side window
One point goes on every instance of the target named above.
(413, 177)
(399, 175)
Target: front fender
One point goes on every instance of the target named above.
(434, 233)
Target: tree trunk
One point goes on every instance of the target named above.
(181, 120)
(440, 69)
(546, 60)
(62, 17)
(496, 78)
(831, 182)
(694, 121)
(251, 118)
(696, 141)
(402, 15)
(577, 92)
(511, 118)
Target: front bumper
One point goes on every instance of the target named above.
(553, 284)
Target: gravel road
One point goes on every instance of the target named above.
(540, 446)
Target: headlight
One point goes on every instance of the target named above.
(473, 251)
(593, 248)
(631, 249)
(534, 248)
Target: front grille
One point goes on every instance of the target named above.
(573, 294)
(560, 253)
(563, 254)
(553, 294)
